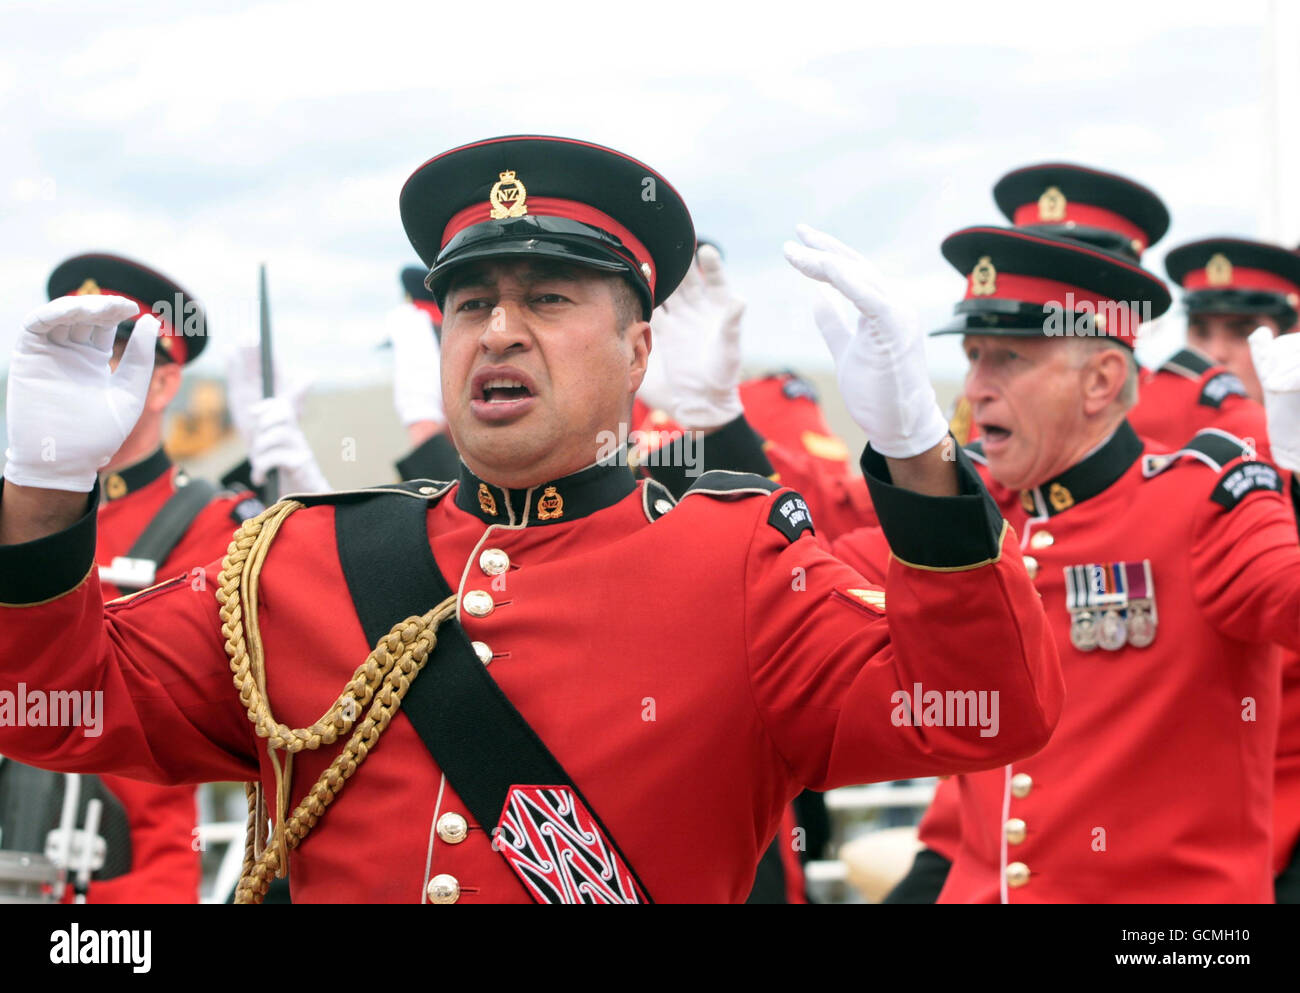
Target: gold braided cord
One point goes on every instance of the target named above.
(380, 683)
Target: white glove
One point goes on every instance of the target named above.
(244, 387)
(278, 443)
(68, 413)
(1277, 364)
(698, 329)
(881, 367)
(417, 373)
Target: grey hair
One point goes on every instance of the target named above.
(1128, 394)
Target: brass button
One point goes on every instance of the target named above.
(482, 651)
(1017, 874)
(663, 506)
(427, 491)
(115, 486)
(443, 889)
(479, 603)
(452, 828)
(493, 561)
(1031, 566)
(1015, 829)
(1042, 539)
(1021, 784)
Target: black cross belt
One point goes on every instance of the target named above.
(479, 740)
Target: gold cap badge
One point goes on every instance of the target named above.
(88, 287)
(550, 506)
(984, 278)
(508, 197)
(1218, 271)
(1051, 205)
(486, 501)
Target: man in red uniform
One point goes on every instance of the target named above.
(664, 764)
(154, 521)
(1167, 650)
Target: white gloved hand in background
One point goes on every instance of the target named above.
(880, 364)
(1277, 364)
(278, 443)
(67, 412)
(698, 331)
(417, 366)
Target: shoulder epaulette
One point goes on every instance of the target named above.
(789, 514)
(795, 387)
(976, 451)
(1240, 472)
(1187, 363)
(656, 500)
(421, 489)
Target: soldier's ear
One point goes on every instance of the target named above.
(1104, 375)
(639, 337)
(164, 385)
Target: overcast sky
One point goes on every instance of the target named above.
(202, 138)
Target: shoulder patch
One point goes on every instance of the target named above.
(1240, 481)
(1219, 387)
(790, 516)
(724, 483)
(1188, 364)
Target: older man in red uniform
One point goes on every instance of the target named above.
(1165, 577)
(664, 764)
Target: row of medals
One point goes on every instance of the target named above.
(1114, 627)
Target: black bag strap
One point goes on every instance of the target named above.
(169, 525)
(475, 734)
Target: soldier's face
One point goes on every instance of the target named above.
(1223, 338)
(536, 367)
(1030, 398)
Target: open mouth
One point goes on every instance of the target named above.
(994, 435)
(503, 390)
(500, 394)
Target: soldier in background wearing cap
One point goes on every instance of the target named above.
(1231, 288)
(547, 256)
(413, 328)
(154, 522)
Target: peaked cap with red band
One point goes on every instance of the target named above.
(1237, 276)
(1027, 284)
(1098, 208)
(184, 331)
(558, 198)
(419, 294)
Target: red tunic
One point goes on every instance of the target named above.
(690, 697)
(1157, 784)
(165, 865)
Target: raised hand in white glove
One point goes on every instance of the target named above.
(417, 366)
(698, 331)
(67, 412)
(1277, 364)
(244, 388)
(278, 443)
(880, 365)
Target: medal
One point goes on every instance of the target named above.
(1112, 633)
(1083, 630)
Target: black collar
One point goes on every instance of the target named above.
(565, 499)
(1084, 480)
(116, 485)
